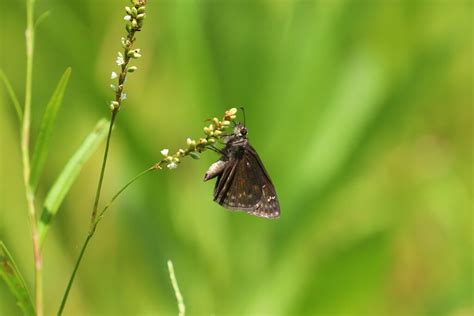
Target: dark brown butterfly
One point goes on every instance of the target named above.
(243, 184)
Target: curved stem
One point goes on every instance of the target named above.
(106, 207)
(92, 231)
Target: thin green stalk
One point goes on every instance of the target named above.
(94, 213)
(134, 18)
(177, 292)
(106, 207)
(25, 144)
(91, 233)
(73, 275)
(102, 170)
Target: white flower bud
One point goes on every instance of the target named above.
(172, 165)
(132, 69)
(114, 105)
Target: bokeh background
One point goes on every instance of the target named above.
(362, 112)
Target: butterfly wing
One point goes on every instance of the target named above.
(245, 185)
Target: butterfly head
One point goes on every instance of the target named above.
(240, 130)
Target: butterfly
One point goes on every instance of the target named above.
(242, 183)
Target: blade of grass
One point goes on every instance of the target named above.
(177, 292)
(46, 129)
(70, 172)
(13, 97)
(14, 280)
(42, 17)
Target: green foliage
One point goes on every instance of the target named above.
(48, 121)
(68, 175)
(12, 95)
(14, 280)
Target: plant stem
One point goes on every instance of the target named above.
(25, 144)
(106, 207)
(93, 215)
(132, 27)
(179, 296)
(92, 231)
(73, 275)
(102, 169)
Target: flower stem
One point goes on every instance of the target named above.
(73, 275)
(102, 169)
(92, 231)
(25, 152)
(106, 207)
(93, 215)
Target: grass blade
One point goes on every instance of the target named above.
(63, 183)
(15, 282)
(177, 292)
(46, 129)
(42, 17)
(13, 97)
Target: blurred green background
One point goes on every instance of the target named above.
(362, 112)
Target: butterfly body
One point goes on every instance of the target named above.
(242, 183)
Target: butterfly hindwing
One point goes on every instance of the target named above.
(245, 185)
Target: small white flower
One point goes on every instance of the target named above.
(127, 18)
(113, 75)
(232, 111)
(113, 87)
(125, 42)
(164, 152)
(172, 165)
(119, 59)
(123, 96)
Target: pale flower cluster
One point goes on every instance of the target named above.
(194, 147)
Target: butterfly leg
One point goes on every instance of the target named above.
(217, 150)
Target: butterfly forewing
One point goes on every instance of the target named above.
(245, 185)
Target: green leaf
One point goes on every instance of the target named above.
(46, 129)
(70, 172)
(15, 282)
(194, 155)
(13, 97)
(42, 17)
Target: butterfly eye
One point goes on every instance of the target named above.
(243, 131)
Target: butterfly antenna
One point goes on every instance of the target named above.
(243, 111)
